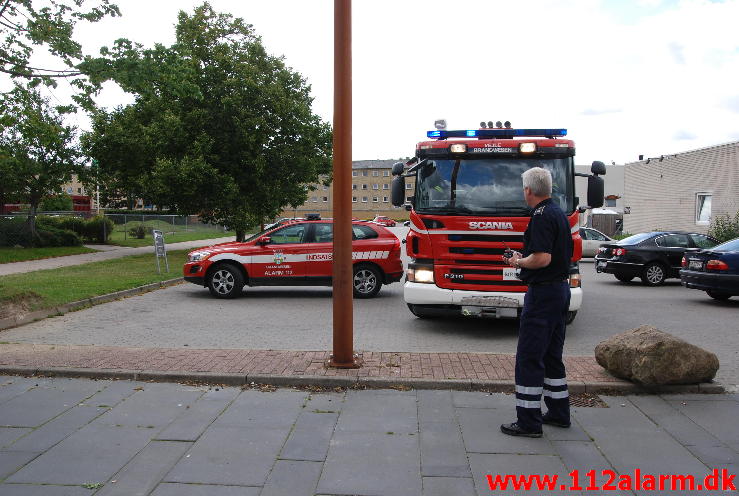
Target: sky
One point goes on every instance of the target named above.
(624, 77)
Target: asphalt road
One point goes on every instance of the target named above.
(300, 319)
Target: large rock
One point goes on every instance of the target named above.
(649, 356)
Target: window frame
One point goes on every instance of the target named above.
(698, 205)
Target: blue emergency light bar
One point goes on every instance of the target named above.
(496, 133)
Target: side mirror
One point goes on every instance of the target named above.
(397, 191)
(398, 168)
(264, 240)
(598, 168)
(595, 190)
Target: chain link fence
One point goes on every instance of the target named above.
(130, 227)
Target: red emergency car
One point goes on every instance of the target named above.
(384, 221)
(296, 253)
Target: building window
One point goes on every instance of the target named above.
(354, 199)
(384, 199)
(610, 202)
(375, 173)
(315, 199)
(703, 208)
(354, 173)
(325, 199)
(375, 199)
(354, 186)
(409, 199)
(386, 173)
(364, 173)
(325, 188)
(375, 186)
(364, 199)
(364, 186)
(408, 186)
(385, 186)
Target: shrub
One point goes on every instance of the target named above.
(76, 224)
(724, 228)
(98, 229)
(138, 231)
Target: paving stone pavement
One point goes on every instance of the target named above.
(62, 437)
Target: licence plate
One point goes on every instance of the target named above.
(695, 264)
(510, 274)
(490, 301)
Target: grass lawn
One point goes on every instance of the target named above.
(49, 288)
(117, 237)
(8, 255)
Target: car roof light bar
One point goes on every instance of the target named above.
(495, 133)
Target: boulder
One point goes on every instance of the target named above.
(649, 356)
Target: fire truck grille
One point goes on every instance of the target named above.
(476, 250)
(511, 238)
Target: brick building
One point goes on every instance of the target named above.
(370, 193)
(681, 191)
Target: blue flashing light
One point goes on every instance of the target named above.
(496, 133)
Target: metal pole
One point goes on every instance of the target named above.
(343, 350)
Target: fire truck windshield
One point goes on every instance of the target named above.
(490, 186)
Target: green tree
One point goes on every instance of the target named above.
(219, 127)
(37, 150)
(723, 227)
(57, 203)
(25, 27)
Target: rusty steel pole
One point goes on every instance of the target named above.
(343, 351)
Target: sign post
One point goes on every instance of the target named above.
(159, 249)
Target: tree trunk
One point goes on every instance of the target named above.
(240, 235)
(31, 225)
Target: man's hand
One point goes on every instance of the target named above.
(513, 259)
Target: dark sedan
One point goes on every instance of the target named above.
(715, 271)
(652, 256)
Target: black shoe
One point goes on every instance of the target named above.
(515, 430)
(556, 423)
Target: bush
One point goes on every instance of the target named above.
(98, 229)
(12, 233)
(138, 232)
(724, 228)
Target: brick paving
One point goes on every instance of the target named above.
(387, 365)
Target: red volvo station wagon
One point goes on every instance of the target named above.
(296, 253)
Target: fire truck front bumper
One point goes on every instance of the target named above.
(500, 303)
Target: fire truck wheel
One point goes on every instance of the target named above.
(418, 311)
(225, 281)
(367, 281)
(571, 316)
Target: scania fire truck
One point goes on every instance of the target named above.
(468, 208)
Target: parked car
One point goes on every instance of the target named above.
(384, 221)
(592, 239)
(296, 253)
(715, 270)
(652, 256)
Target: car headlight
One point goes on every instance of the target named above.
(197, 256)
(421, 274)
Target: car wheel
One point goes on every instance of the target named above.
(418, 311)
(623, 277)
(718, 296)
(367, 281)
(654, 274)
(225, 281)
(571, 316)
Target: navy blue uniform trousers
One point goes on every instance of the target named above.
(539, 366)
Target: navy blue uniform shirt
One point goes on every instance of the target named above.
(548, 232)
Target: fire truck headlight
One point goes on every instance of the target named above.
(421, 274)
(527, 147)
(458, 148)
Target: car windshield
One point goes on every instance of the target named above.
(257, 235)
(732, 245)
(490, 186)
(635, 239)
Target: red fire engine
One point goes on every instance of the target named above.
(468, 208)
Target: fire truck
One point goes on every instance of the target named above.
(468, 209)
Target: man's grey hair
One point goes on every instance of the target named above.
(538, 180)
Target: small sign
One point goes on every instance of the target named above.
(159, 249)
(510, 274)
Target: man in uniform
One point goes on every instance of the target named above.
(544, 265)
